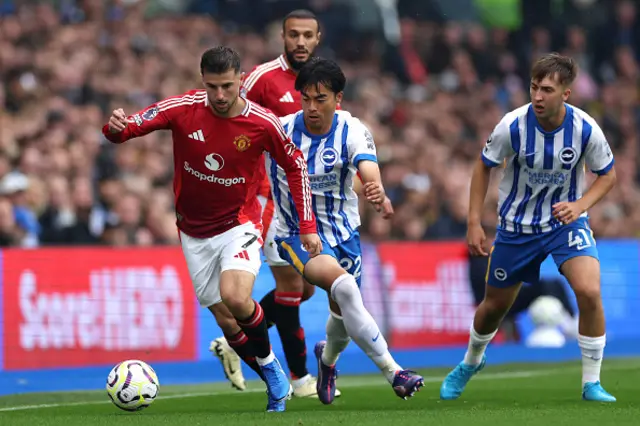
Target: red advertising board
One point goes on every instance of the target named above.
(81, 307)
(429, 297)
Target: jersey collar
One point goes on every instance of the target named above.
(283, 63)
(568, 120)
(299, 124)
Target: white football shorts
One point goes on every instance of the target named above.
(269, 224)
(235, 249)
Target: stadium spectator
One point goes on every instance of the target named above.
(430, 98)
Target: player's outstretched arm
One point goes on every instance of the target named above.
(121, 127)
(477, 194)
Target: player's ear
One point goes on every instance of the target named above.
(566, 94)
(319, 37)
(339, 97)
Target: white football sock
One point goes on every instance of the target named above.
(592, 349)
(337, 339)
(361, 326)
(268, 360)
(301, 381)
(477, 345)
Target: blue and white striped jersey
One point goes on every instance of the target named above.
(332, 161)
(543, 168)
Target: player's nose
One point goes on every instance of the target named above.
(537, 95)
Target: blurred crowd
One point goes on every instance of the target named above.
(430, 88)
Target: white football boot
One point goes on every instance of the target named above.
(231, 362)
(306, 387)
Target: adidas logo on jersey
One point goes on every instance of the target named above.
(197, 135)
(287, 98)
(242, 255)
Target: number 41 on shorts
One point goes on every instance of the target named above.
(580, 239)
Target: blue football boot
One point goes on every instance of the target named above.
(275, 406)
(593, 391)
(455, 382)
(278, 387)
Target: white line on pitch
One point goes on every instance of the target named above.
(351, 383)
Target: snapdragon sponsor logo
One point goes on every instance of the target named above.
(213, 178)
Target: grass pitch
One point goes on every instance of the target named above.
(513, 395)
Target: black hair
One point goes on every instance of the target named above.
(219, 60)
(300, 14)
(321, 71)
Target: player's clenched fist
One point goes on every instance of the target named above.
(311, 243)
(118, 121)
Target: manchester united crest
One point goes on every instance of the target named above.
(242, 143)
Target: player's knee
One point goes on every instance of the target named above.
(346, 292)
(322, 271)
(308, 290)
(497, 301)
(238, 302)
(496, 307)
(588, 298)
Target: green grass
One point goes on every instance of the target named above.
(514, 395)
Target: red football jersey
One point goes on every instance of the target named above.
(215, 162)
(272, 85)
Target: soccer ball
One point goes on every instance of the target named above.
(547, 311)
(132, 385)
